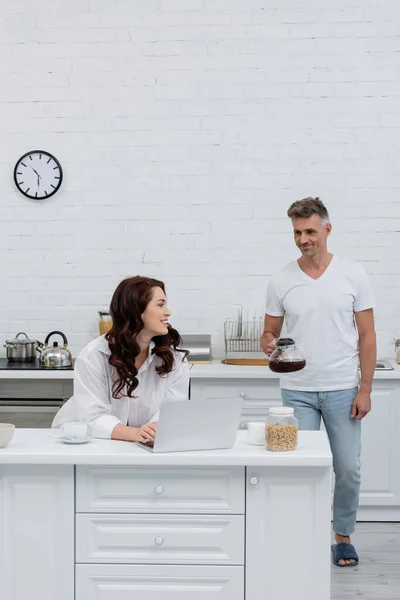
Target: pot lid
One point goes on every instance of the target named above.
(18, 340)
(283, 342)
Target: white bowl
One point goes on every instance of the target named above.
(6, 433)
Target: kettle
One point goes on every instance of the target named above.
(286, 358)
(55, 357)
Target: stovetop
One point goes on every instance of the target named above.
(33, 366)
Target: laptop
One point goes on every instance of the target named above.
(196, 425)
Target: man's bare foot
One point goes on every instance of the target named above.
(346, 539)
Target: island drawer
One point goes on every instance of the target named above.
(148, 489)
(159, 582)
(165, 539)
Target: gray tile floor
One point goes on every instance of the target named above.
(377, 577)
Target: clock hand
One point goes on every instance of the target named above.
(39, 176)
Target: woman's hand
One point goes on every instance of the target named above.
(146, 433)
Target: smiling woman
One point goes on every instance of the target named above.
(121, 379)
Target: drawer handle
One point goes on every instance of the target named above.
(242, 394)
(159, 541)
(253, 480)
(159, 489)
(242, 425)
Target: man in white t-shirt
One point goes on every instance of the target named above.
(327, 306)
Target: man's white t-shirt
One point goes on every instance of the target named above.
(319, 316)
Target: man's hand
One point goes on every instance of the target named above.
(361, 405)
(271, 347)
(272, 330)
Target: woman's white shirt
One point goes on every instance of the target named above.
(93, 403)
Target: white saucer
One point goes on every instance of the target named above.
(82, 440)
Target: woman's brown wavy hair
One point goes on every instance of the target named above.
(128, 303)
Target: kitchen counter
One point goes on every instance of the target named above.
(109, 520)
(214, 370)
(6, 365)
(217, 370)
(33, 371)
(43, 446)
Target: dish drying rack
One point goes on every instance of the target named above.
(243, 337)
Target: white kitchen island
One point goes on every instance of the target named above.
(111, 521)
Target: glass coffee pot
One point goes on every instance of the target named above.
(286, 358)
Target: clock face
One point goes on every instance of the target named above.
(38, 174)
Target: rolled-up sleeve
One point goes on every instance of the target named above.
(92, 399)
(177, 387)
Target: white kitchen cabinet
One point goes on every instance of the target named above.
(302, 502)
(159, 582)
(179, 531)
(160, 539)
(160, 490)
(380, 472)
(258, 395)
(380, 449)
(36, 532)
(201, 541)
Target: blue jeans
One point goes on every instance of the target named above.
(345, 439)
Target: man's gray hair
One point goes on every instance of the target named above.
(305, 208)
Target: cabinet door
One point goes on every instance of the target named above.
(157, 582)
(258, 395)
(380, 473)
(288, 522)
(36, 532)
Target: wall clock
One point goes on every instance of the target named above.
(38, 174)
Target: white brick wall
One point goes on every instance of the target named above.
(185, 129)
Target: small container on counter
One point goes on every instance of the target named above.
(397, 350)
(281, 429)
(105, 322)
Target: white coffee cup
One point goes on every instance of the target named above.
(6, 433)
(256, 433)
(74, 430)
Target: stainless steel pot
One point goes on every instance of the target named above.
(22, 350)
(55, 357)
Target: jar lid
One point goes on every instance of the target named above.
(281, 410)
(282, 342)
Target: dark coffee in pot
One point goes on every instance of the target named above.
(286, 366)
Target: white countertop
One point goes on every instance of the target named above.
(39, 374)
(217, 370)
(42, 446)
(214, 370)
